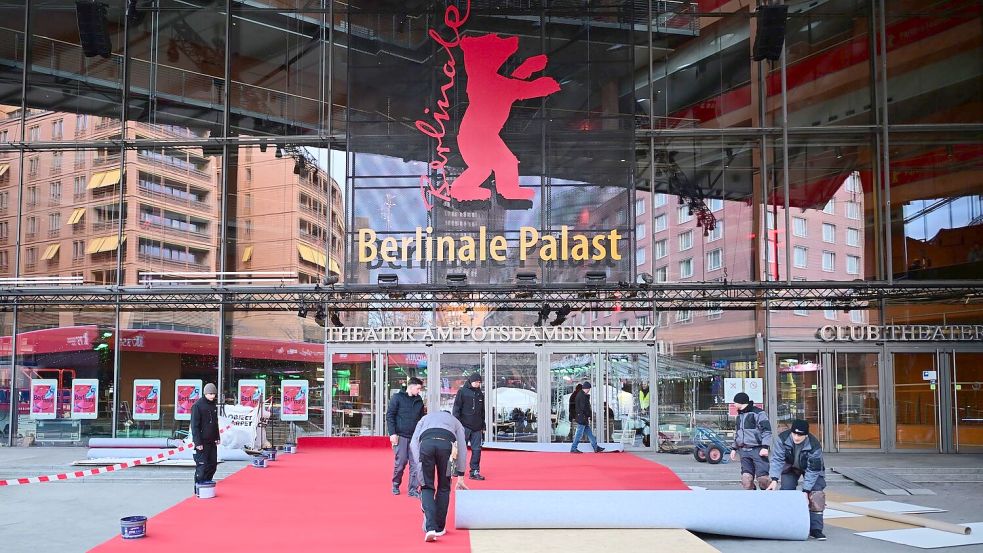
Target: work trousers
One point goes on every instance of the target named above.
(436, 491)
(402, 460)
(474, 442)
(817, 497)
(206, 462)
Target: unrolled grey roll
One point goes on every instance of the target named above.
(224, 454)
(550, 447)
(776, 515)
(132, 442)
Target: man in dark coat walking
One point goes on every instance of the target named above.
(469, 408)
(204, 434)
(584, 415)
(405, 410)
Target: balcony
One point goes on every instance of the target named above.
(111, 159)
(54, 233)
(168, 164)
(104, 225)
(54, 201)
(174, 232)
(174, 200)
(160, 261)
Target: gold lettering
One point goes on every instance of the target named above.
(498, 248)
(614, 237)
(445, 242)
(466, 253)
(601, 251)
(366, 245)
(388, 248)
(580, 249)
(528, 237)
(548, 253)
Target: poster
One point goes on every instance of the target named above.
(44, 398)
(186, 393)
(85, 398)
(146, 399)
(732, 387)
(251, 392)
(755, 389)
(293, 400)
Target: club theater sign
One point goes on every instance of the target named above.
(901, 333)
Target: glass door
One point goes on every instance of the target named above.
(625, 413)
(354, 394)
(800, 390)
(917, 401)
(566, 371)
(513, 397)
(967, 402)
(857, 401)
(400, 368)
(455, 368)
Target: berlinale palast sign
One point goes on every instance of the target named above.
(512, 334)
(902, 333)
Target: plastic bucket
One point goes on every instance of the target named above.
(270, 453)
(206, 490)
(132, 528)
(259, 462)
(289, 448)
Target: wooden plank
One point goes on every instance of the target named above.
(870, 480)
(907, 485)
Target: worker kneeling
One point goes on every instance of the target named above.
(797, 453)
(435, 448)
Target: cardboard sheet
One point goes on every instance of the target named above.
(896, 507)
(584, 541)
(928, 538)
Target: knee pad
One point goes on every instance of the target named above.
(763, 482)
(817, 501)
(747, 481)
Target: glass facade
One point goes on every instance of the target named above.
(306, 143)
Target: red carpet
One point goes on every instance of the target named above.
(333, 495)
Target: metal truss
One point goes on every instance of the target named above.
(665, 297)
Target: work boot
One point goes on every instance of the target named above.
(599, 449)
(395, 489)
(476, 476)
(575, 451)
(817, 534)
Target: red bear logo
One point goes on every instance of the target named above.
(490, 99)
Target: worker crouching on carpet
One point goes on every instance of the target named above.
(204, 434)
(798, 453)
(438, 439)
(405, 411)
(752, 436)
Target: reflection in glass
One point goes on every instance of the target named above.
(353, 407)
(916, 402)
(513, 397)
(567, 370)
(967, 402)
(800, 378)
(858, 407)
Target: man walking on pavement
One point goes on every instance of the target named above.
(405, 410)
(205, 435)
(584, 415)
(752, 438)
(438, 439)
(797, 453)
(469, 408)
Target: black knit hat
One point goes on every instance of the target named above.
(475, 377)
(800, 427)
(587, 385)
(742, 398)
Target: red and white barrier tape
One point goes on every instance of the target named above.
(101, 470)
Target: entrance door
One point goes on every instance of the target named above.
(917, 400)
(856, 403)
(967, 402)
(399, 369)
(513, 397)
(566, 371)
(455, 369)
(354, 395)
(801, 377)
(626, 411)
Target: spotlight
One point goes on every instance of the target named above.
(645, 278)
(544, 314)
(330, 279)
(595, 278)
(91, 16)
(388, 280)
(771, 32)
(279, 152)
(335, 318)
(319, 314)
(457, 280)
(561, 315)
(525, 280)
(302, 311)
(262, 147)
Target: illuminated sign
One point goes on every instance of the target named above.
(507, 334)
(901, 333)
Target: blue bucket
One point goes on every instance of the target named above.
(132, 528)
(259, 462)
(206, 490)
(270, 453)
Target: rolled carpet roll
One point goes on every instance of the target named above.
(132, 442)
(776, 515)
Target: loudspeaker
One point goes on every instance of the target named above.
(771, 32)
(93, 35)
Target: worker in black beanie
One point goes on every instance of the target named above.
(469, 408)
(752, 438)
(205, 435)
(798, 454)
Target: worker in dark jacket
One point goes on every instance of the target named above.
(469, 408)
(405, 410)
(438, 452)
(584, 415)
(797, 453)
(573, 408)
(752, 438)
(204, 434)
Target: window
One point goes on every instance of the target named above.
(4, 261)
(78, 187)
(78, 249)
(658, 199)
(829, 233)
(799, 257)
(249, 172)
(662, 274)
(853, 237)
(57, 129)
(853, 184)
(34, 134)
(31, 226)
(79, 159)
(660, 223)
(54, 221)
(715, 259)
(661, 248)
(829, 262)
(81, 122)
(714, 313)
(770, 220)
(853, 211)
(56, 158)
(686, 268)
(799, 227)
(830, 314)
(4, 200)
(640, 206)
(686, 240)
(852, 265)
(683, 214)
(683, 317)
(32, 166)
(857, 316)
(801, 312)
(640, 256)
(717, 233)
(31, 256)
(54, 191)
(639, 231)
(830, 207)
(4, 230)
(715, 204)
(32, 196)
